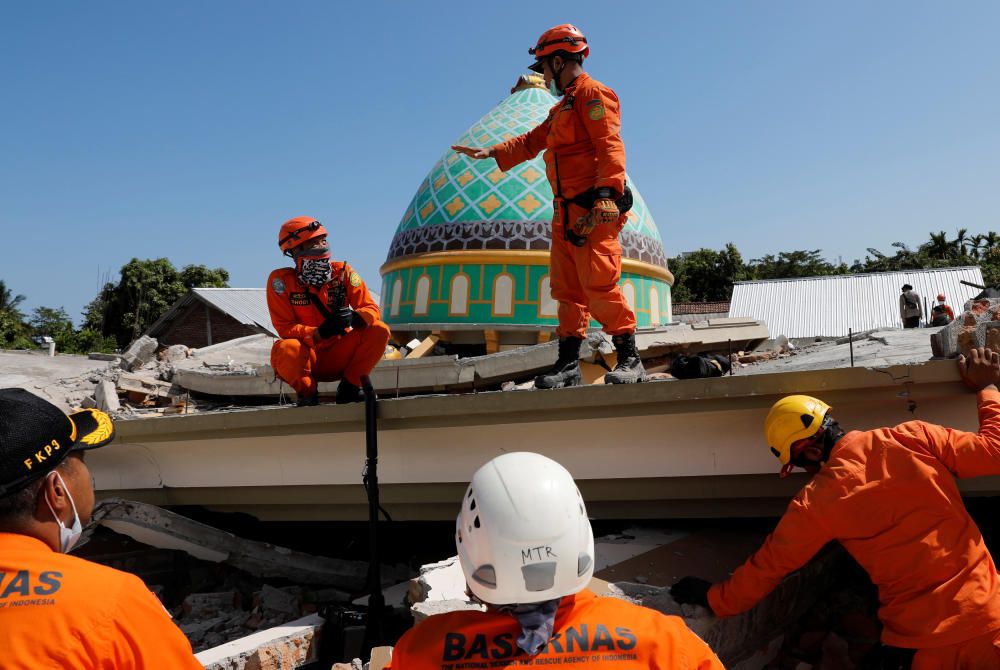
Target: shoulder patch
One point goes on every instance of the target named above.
(355, 279)
(596, 112)
(278, 286)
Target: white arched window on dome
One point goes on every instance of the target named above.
(422, 299)
(397, 292)
(547, 306)
(458, 298)
(503, 295)
(628, 290)
(654, 306)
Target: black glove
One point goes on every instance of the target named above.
(336, 323)
(691, 591)
(575, 240)
(358, 321)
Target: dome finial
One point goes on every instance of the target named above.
(526, 81)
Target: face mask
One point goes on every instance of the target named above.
(314, 271)
(68, 537)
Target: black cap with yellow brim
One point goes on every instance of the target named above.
(36, 436)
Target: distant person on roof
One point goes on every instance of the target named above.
(941, 313)
(910, 310)
(888, 496)
(585, 165)
(329, 324)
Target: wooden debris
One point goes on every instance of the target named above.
(424, 347)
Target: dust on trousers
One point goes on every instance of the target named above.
(584, 280)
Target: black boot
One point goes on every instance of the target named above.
(307, 400)
(566, 371)
(629, 369)
(348, 392)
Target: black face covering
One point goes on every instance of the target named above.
(830, 433)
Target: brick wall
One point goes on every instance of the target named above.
(190, 328)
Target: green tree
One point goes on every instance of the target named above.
(789, 264)
(13, 330)
(54, 323)
(145, 289)
(707, 275)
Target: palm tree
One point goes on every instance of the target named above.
(960, 242)
(9, 301)
(989, 244)
(976, 245)
(939, 247)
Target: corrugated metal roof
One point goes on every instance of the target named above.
(246, 305)
(828, 306)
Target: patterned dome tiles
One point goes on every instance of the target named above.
(469, 205)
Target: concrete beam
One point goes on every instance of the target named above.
(161, 528)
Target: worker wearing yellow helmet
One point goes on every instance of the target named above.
(889, 497)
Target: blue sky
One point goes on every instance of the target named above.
(191, 130)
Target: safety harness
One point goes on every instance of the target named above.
(585, 199)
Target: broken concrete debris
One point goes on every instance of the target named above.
(106, 397)
(158, 527)
(978, 326)
(140, 352)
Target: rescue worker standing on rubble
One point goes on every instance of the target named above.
(527, 552)
(889, 496)
(585, 165)
(329, 324)
(59, 611)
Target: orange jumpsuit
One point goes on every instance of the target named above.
(590, 632)
(889, 496)
(583, 134)
(301, 358)
(59, 611)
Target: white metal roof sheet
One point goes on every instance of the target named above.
(246, 305)
(829, 306)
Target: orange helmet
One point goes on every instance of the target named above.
(296, 231)
(564, 37)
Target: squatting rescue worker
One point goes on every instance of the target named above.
(59, 611)
(527, 550)
(585, 165)
(329, 324)
(889, 496)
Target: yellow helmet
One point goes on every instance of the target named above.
(793, 418)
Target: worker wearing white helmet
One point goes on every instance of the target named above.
(527, 551)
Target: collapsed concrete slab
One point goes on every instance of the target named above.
(281, 648)
(157, 527)
(241, 367)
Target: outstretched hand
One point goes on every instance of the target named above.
(981, 369)
(471, 152)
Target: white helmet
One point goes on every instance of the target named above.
(523, 535)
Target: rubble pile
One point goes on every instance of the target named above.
(212, 603)
(978, 326)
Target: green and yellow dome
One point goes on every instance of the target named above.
(471, 252)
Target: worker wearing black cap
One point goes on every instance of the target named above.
(59, 611)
